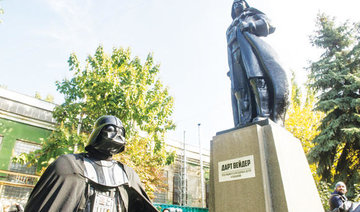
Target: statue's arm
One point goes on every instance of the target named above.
(258, 25)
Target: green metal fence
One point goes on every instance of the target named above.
(161, 207)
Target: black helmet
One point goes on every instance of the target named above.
(109, 141)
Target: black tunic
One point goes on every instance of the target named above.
(63, 185)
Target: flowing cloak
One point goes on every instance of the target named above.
(63, 187)
(257, 59)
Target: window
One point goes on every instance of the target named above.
(177, 189)
(23, 147)
(15, 193)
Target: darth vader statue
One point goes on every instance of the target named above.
(259, 85)
(92, 181)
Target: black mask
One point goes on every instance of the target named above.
(111, 140)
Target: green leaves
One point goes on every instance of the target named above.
(119, 85)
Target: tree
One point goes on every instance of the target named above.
(302, 121)
(336, 78)
(37, 95)
(49, 97)
(113, 85)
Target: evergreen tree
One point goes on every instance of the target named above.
(336, 78)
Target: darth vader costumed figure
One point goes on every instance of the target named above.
(92, 181)
(259, 85)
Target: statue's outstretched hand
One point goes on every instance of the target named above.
(247, 26)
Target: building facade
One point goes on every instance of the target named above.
(183, 177)
(24, 122)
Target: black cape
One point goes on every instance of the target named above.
(63, 185)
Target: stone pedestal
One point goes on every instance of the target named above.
(259, 168)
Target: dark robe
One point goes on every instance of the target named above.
(63, 187)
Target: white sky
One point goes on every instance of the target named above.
(187, 38)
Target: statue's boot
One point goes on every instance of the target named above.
(261, 95)
(244, 106)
